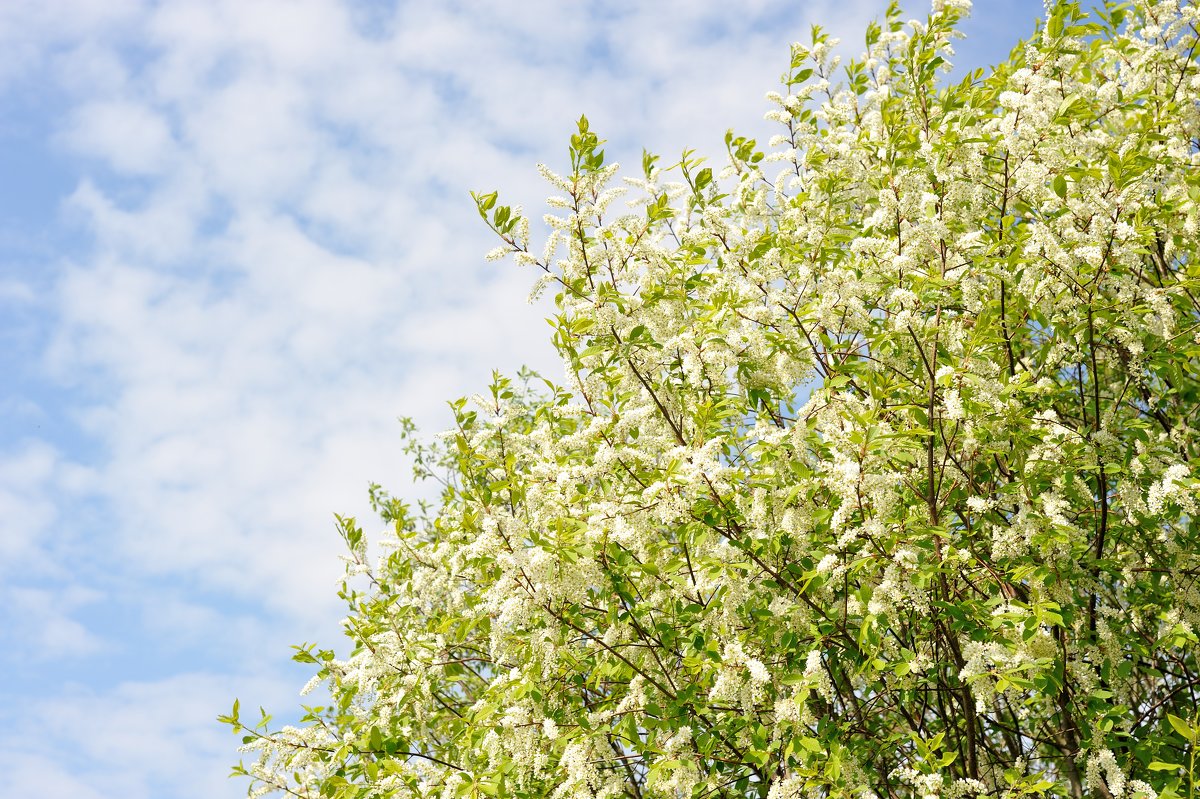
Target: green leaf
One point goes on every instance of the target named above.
(1059, 184)
(1055, 26)
(1182, 727)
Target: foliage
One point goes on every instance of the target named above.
(870, 477)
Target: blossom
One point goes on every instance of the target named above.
(846, 464)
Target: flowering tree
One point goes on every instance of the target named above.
(869, 476)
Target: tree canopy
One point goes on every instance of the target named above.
(869, 473)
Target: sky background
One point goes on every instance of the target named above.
(236, 242)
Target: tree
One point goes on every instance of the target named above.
(871, 471)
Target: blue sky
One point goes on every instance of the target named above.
(235, 244)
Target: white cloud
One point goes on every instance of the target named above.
(160, 230)
(41, 619)
(16, 292)
(139, 740)
(26, 773)
(27, 506)
(30, 30)
(131, 137)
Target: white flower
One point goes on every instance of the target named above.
(1169, 487)
(758, 672)
(1103, 771)
(962, 6)
(953, 404)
